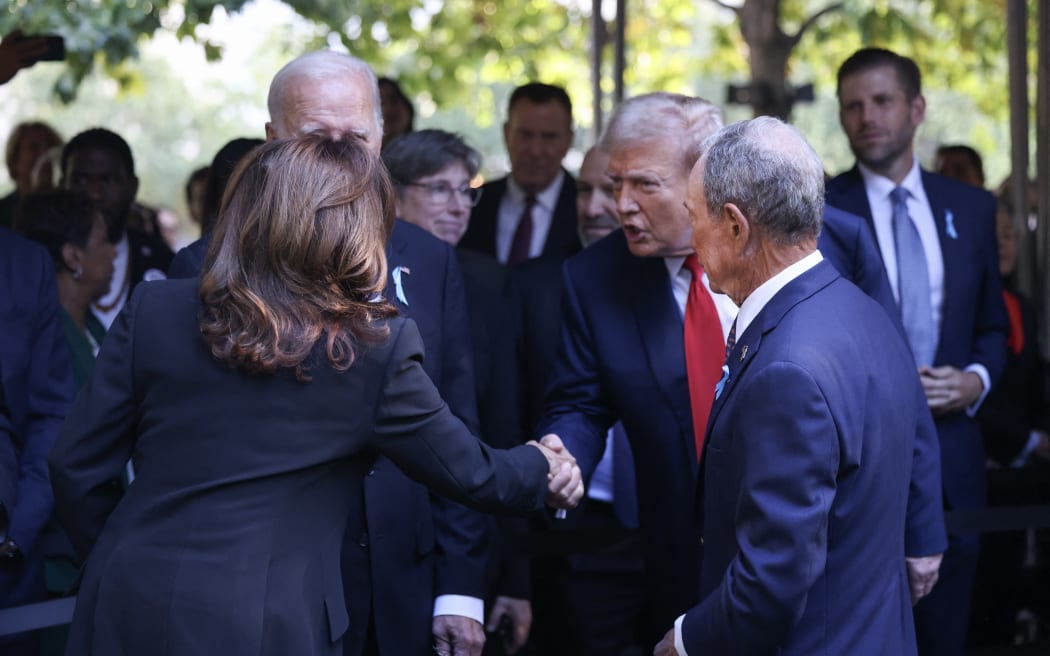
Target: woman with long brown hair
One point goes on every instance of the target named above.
(253, 403)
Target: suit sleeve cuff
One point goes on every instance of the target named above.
(986, 381)
(461, 605)
(679, 644)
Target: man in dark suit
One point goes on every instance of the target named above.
(428, 553)
(622, 351)
(805, 495)
(622, 354)
(37, 383)
(98, 162)
(585, 603)
(937, 241)
(532, 211)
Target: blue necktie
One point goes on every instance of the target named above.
(913, 281)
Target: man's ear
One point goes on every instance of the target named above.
(271, 134)
(738, 226)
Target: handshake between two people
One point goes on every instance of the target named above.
(564, 479)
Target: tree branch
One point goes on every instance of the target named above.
(723, 5)
(808, 23)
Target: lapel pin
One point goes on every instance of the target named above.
(743, 353)
(949, 224)
(399, 289)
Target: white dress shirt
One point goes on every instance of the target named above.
(511, 207)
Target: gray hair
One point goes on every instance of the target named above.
(661, 115)
(320, 65)
(768, 170)
(416, 155)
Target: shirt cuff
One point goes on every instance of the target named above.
(461, 605)
(679, 644)
(986, 380)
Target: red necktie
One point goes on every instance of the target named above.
(1013, 310)
(705, 350)
(519, 248)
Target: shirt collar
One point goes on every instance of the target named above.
(765, 292)
(547, 198)
(881, 186)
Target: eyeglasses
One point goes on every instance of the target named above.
(441, 192)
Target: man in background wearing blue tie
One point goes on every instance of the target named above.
(937, 241)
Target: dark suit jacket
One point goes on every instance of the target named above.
(852, 250)
(427, 545)
(563, 238)
(238, 552)
(38, 388)
(419, 545)
(804, 491)
(622, 358)
(189, 261)
(973, 320)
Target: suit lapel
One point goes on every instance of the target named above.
(847, 192)
(660, 327)
(562, 237)
(953, 255)
(750, 342)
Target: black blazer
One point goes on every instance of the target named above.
(563, 238)
(430, 546)
(416, 545)
(228, 540)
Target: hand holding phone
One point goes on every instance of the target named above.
(18, 51)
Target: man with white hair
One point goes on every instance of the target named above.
(805, 494)
(425, 555)
(628, 301)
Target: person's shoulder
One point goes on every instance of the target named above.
(844, 181)
(16, 247)
(965, 196)
(609, 252)
(407, 235)
(495, 186)
(168, 292)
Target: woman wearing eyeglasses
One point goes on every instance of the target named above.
(432, 171)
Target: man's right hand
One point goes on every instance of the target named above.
(564, 479)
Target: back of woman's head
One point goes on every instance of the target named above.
(297, 255)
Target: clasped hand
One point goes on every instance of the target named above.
(564, 479)
(948, 389)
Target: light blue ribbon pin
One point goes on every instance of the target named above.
(399, 289)
(722, 382)
(949, 224)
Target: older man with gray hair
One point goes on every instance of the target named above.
(423, 558)
(805, 490)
